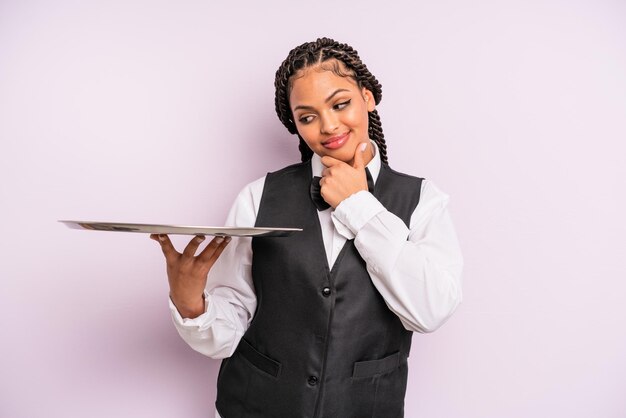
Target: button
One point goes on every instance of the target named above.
(326, 292)
(312, 380)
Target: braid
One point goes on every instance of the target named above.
(376, 133)
(312, 53)
(305, 151)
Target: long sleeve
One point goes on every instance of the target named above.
(417, 270)
(230, 299)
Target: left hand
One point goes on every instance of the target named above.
(340, 180)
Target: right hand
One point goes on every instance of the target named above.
(187, 272)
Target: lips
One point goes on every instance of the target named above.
(336, 141)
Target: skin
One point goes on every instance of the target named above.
(187, 273)
(325, 106)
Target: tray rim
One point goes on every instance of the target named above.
(177, 229)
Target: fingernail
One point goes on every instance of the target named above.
(228, 239)
(363, 146)
(161, 237)
(200, 238)
(219, 240)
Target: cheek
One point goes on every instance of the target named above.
(356, 117)
(307, 132)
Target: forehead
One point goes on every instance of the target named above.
(313, 85)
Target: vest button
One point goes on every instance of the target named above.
(312, 380)
(326, 292)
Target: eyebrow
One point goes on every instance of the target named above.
(328, 99)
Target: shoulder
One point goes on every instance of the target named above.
(245, 207)
(406, 184)
(432, 199)
(250, 196)
(404, 181)
(293, 169)
(400, 174)
(255, 188)
(251, 189)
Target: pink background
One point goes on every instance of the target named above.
(160, 111)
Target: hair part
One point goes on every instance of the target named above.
(332, 65)
(323, 52)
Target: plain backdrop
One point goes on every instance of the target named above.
(161, 111)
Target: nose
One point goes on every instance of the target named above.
(329, 122)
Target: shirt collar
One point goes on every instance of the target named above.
(374, 166)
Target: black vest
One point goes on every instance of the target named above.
(322, 343)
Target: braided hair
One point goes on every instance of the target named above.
(313, 53)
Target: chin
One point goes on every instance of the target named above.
(341, 155)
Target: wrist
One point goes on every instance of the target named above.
(357, 210)
(189, 307)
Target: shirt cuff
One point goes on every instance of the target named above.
(355, 212)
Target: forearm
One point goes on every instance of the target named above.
(417, 270)
(214, 333)
(421, 287)
(229, 300)
(188, 308)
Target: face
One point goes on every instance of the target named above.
(330, 112)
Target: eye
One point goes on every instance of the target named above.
(342, 105)
(305, 119)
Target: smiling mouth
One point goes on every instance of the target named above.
(336, 141)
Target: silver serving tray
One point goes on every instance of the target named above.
(221, 231)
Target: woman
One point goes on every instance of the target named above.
(319, 323)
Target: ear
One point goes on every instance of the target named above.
(369, 99)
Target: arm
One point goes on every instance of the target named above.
(230, 300)
(417, 270)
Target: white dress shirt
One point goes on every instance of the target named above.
(417, 270)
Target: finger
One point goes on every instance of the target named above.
(166, 245)
(357, 162)
(330, 161)
(326, 181)
(214, 249)
(218, 251)
(192, 247)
